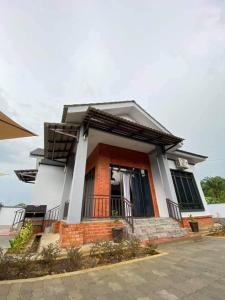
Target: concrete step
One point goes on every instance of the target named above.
(156, 228)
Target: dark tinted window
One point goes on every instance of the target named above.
(187, 191)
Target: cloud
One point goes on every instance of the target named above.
(169, 56)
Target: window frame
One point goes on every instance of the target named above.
(189, 176)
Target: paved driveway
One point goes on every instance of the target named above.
(192, 270)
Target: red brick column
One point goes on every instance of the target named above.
(101, 158)
(87, 232)
(101, 202)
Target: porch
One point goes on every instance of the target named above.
(114, 168)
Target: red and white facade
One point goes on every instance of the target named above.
(118, 163)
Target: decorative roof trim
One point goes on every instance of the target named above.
(191, 153)
(107, 122)
(65, 109)
(28, 176)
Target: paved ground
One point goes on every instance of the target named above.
(192, 270)
(4, 241)
(4, 236)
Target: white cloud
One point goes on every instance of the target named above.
(169, 56)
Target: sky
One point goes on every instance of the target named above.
(167, 55)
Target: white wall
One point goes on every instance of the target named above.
(67, 185)
(206, 212)
(48, 186)
(7, 215)
(158, 185)
(217, 210)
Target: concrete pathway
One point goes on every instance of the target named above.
(191, 270)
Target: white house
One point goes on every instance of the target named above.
(107, 160)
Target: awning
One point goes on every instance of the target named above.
(107, 122)
(27, 176)
(61, 137)
(11, 130)
(39, 152)
(59, 140)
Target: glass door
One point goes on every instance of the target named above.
(132, 184)
(140, 194)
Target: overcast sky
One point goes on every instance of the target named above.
(167, 55)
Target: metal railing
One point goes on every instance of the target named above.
(174, 211)
(96, 206)
(104, 206)
(128, 212)
(18, 217)
(51, 216)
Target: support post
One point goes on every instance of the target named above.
(166, 176)
(66, 186)
(77, 186)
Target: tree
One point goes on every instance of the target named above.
(214, 189)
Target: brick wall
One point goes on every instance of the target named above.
(103, 156)
(203, 222)
(86, 232)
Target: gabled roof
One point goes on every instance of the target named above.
(101, 120)
(50, 162)
(193, 158)
(104, 106)
(27, 176)
(59, 139)
(37, 152)
(191, 154)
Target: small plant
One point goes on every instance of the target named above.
(115, 213)
(75, 257)
(5, 262)
(133, 247)
(218, 230)
(22, 237)
(49, 255)
(102, 250)
(23, 262)
(150, 248)
(108, 252)
(119, 251)
(193, 223)
(192, 219)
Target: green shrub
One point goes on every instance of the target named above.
(75, 258)
(6, 262)
(119, 251)
(49, 255)
(23, 262)
(108, 252)
(102, 250)
(218, 230)
(150, 248)
(133, 247)
(22, 237)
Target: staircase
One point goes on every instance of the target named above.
(156, 228)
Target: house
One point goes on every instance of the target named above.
(114, 160)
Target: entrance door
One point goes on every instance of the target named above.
(132, 184)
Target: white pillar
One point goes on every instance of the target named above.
(166, 176)
(158, 185)
(66, 186)
(77, 187)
